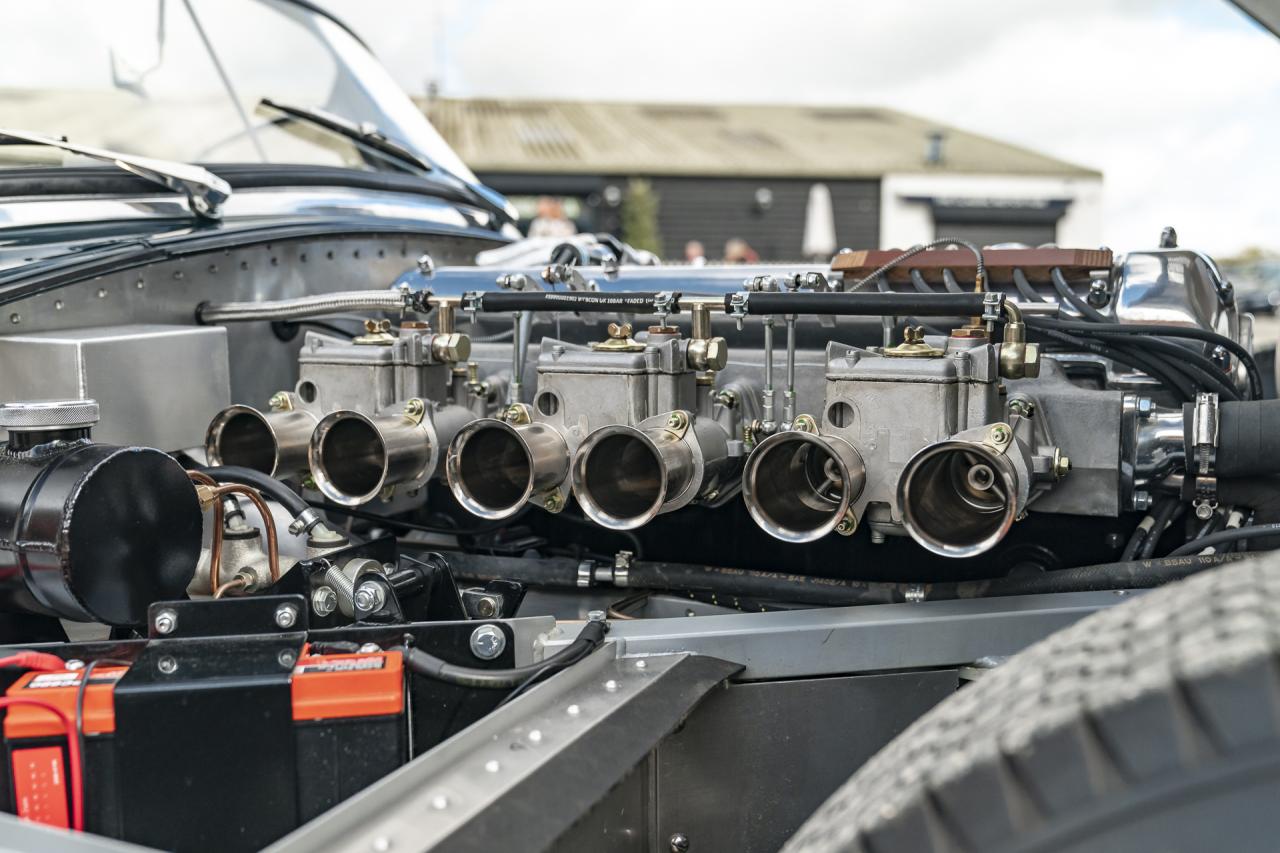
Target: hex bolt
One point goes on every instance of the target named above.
(166, 621)
(999, 433)
(324, 600)
(286, 616)
(596, 615)
(369, 597)
(552, 502)
(486, 606)
(487, 642)
(679, 843)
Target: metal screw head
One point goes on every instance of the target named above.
(679, 843)
(552, 502)
(1061, 465)
(166, 621)
(73, 664)
(596, 615)
(324, 600)
(369, 648)
(999, 434)
(486, 606)
(167, 665)
(487, 642)
(286, 616)
(1141, 500)
(1145, 406)
(415, 408)
(279, 401)
(369, 597)
(677, 420)
(1204, 510)
(717, 354)
(286, 658)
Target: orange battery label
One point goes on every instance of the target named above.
(39, 785)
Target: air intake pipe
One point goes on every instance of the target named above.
(959, 497)
(274, 443)
(354, 457)
(625, 476)
(798, 485)
(494, 467)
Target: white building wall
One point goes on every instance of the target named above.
(905, 223)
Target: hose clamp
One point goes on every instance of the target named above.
(304, 521)
(1202, 456)
(737, 306)
(992, 306)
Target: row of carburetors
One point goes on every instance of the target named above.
(948, 438)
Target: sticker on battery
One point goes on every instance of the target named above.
(39, 785)
(47, 680)
(343, 665)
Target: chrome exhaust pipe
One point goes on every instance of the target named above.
(353, 456)
(960, 497)
(494, 467)
(798, 486)
(625, 476)
(274, 443)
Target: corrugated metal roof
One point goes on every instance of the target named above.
(582, 137)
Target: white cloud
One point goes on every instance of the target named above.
(1177, 103)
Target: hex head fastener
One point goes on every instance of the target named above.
(166, 621)
(487, 642)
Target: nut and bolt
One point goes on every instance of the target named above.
(679, 843)
(286, 658)
(167, 665)
(847, 526)
(369, 597)
(1141, 500)
(1000, 434)
(596, 616)
(286, 616)
(1146, 406)
(677, 420)
(324, 600)
(486, 606)
(727, 398)
(1022, 407)
(552, 502)
(620, 330)
(415, 408)
(1061, 465)
(279, 401)
(166, 621)
(369, 648)
(487, 642)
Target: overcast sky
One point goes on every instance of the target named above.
(1177, 102)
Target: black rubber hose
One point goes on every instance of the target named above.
(918, 282)
(1161, 330)
(1175, 381)
(1064, 290)
(1248, 438)
(883, 287)
(865, 304)
(429, 666)
(269, 486)
(831, 592)
(1168, 514)
(950, 283)
(1232, 534)
(636, 302)
(1025, 290)
(980, 264)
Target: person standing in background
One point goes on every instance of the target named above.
(551, 221)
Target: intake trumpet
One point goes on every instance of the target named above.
(493, 467)
(798, 485)
(624, 476)
(274, 443)
(354, 457)
(959, 497)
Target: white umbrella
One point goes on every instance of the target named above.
(819, 224)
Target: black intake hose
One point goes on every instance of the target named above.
(1248, 438)
(577, 301)
(429, 666)
(269, 486)
(833, 592)
(865, 304)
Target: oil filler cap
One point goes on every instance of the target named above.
(41, 415)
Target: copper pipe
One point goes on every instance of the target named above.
(215, 549)
(235, 583)
(268, 521)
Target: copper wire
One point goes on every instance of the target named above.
(215, 549)
(268, 521)
(234, 583)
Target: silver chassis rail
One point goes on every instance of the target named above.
(526, 775)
